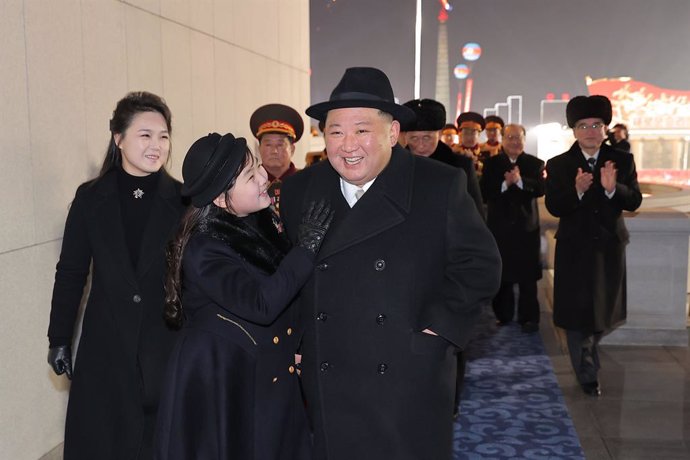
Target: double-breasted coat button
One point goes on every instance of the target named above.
(380, 319)
(289, 331)
(276, 340)
(382, 368)
(379, 265)
(136, 298)
(275, 379)
(322, 316)
(291, 369)
(322, 266)
(324, 366)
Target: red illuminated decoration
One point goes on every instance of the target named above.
(468, 94)
(550, 96)
(443, 12)
(642, 105)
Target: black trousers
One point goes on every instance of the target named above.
(528, 305)
(583, 349)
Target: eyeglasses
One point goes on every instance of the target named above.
(585, 126)
(469, 130)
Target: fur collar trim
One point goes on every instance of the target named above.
(257, 238)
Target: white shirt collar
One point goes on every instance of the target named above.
(348, 190)
(595, 156)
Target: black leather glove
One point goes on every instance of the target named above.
(315, 222)
(60, 358)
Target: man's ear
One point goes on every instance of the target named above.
(394, 132)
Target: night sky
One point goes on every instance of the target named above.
(529, 47)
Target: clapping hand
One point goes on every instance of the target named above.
(608, 176)
(513, 176)
(583, 181)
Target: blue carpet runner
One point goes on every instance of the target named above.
(512, 406)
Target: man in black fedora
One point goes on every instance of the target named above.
(277, 127)
(400, 280)
(588, 187)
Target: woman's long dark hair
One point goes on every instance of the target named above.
(125, 111)
(173, 312)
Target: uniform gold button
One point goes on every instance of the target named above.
(289, 331)
(276, 340)
(275, 379)
(291, 369)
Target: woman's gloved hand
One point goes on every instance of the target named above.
(60, 359)
(315, 222)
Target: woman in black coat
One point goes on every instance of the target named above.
(117, 228)
(231, 387)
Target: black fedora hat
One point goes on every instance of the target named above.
(430, 114)
(363, 87)
(209, 166)
(581, 107)
(276, 118)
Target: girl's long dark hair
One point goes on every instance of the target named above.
(173, 311)
(125, 111)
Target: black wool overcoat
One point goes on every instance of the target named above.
(444, 154)
(413, 253)
(513, 215)
(124, 342)
(590, 283)
(231, 389)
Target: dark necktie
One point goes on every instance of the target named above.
(591, 162)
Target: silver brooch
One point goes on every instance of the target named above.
(138, 193)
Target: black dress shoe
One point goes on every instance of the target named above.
(530, 327)
(591, 388)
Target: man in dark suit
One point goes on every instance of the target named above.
(400, 280)
(588, 187)
(511, 183)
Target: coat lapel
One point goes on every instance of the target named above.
(108, 215)
(163, 216)
(385, 205)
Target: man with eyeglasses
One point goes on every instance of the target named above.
(588, 187)
(511, 183)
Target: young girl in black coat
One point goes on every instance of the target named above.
(231, 389)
